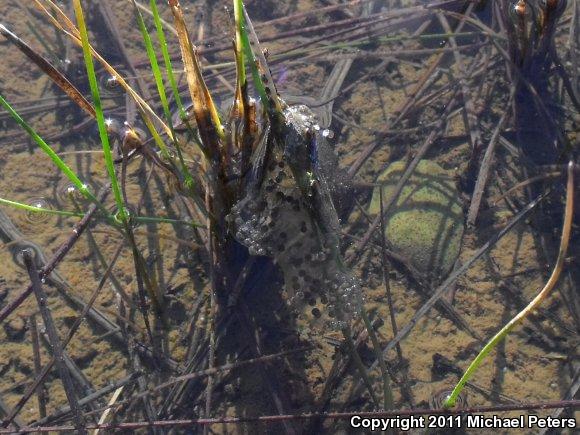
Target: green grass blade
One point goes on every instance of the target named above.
(534, 303)
(261, 74)
(162, 220)
(26, 207)
(154, 66)
(122, 214)
(161, 89)
(170, 76)
(68, 172)
(450, 401)
(239, 19)
(166, 57)
(247, 50)
(137, 219)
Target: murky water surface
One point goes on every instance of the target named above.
(385, 88)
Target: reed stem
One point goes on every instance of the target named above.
(122, 214)
(566, 230)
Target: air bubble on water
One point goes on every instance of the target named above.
(68, 192)
(327, 133)
(112, 81)
(252, 250)
(114, 126)
(38, 217)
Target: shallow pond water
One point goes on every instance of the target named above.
(388, 88)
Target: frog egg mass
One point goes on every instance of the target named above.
(425, 225)
(280, 220)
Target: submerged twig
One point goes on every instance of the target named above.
(61, 252)
(485, 168)
(59, 79)
(37, 366)
(55, 342)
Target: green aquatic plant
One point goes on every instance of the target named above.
(35, 209)
(254, 178)
(534, 303)
(283, 138)
(100, 117)
(129, 139)
(62, 166)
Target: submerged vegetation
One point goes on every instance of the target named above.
(270, 257)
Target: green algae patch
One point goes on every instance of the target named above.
(425, 225)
